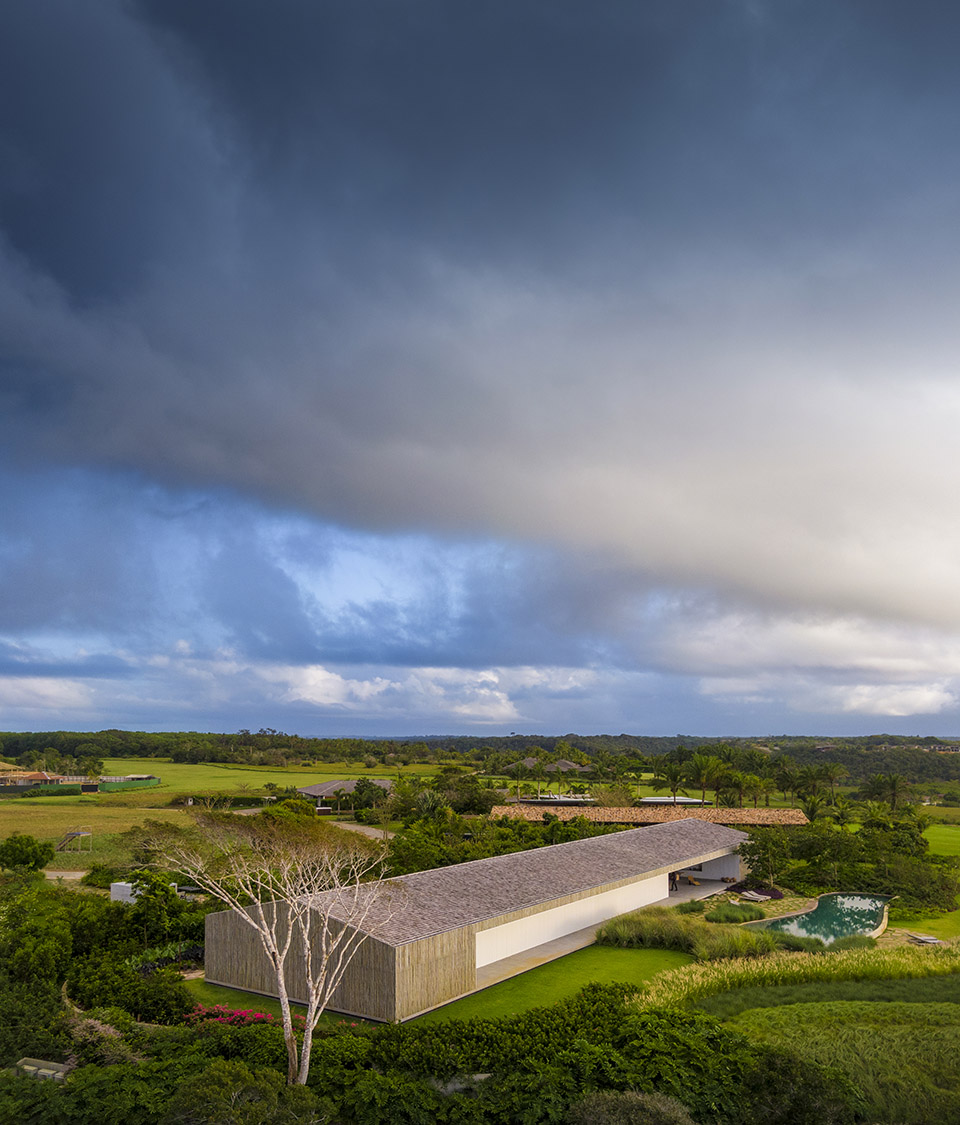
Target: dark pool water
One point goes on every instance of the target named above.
(835, 916)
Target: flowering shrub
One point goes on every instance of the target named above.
(235, 1017)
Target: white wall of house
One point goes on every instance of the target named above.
(516, 937)
(724, 867)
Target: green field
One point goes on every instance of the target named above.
(944, 839)
(109, 814)
(559, 980)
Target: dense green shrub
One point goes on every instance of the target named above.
(32, 1022)
(232, 1092)
(98, 981)
(20, 850)
(101, 875)
(692, 906)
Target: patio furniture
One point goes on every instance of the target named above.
(754, 896)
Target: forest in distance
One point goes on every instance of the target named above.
(924, 759)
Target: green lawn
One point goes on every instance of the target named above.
(560, 979)
(111, 813)
(944, 839)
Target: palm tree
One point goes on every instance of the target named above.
(814, 806)
(809, 781)
(702, 770)
(752, 788)
(767, 786)
(339, 795)
(787, 781)
(539, 775)
(844, 811)
(519, 770)
(736, 781)
(669, 775)
(876, 814)
(831, 773)
(897, 788)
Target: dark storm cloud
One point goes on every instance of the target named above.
(619, 296)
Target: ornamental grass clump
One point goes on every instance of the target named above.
(659, 927)
(735, 913)
(692, 983)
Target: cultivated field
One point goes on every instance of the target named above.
(109, 814)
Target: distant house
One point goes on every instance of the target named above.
(28, 778)
(561, 765)
(327, 790)
(448, 931)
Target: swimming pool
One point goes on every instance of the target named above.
(835, 916)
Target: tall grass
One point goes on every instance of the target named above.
(693, 983)
(659, 927)
(735, 913)
(927, 990)
(904, 1058)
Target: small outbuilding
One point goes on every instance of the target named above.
(439, 928)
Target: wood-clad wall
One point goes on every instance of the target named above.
(234, 957)
(434, 971)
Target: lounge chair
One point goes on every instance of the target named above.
(691, 881)
(754, 896)
(924, 939)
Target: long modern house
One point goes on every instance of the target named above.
(441, 931)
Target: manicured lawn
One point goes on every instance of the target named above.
(183, 777)
(945, 926)
(560, 979)
(944, 839)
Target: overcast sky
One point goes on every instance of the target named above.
(428, 367)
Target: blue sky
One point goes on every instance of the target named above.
(428, 368)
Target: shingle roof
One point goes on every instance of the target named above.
(328, 788)
(653, 814)
(446, 898)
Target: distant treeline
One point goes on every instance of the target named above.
(922, 760)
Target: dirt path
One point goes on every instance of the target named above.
(364, 829)
(64, 874)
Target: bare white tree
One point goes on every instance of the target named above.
(308, 893)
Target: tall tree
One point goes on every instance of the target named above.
(702, 771)
(669, 775)
(297, 885)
